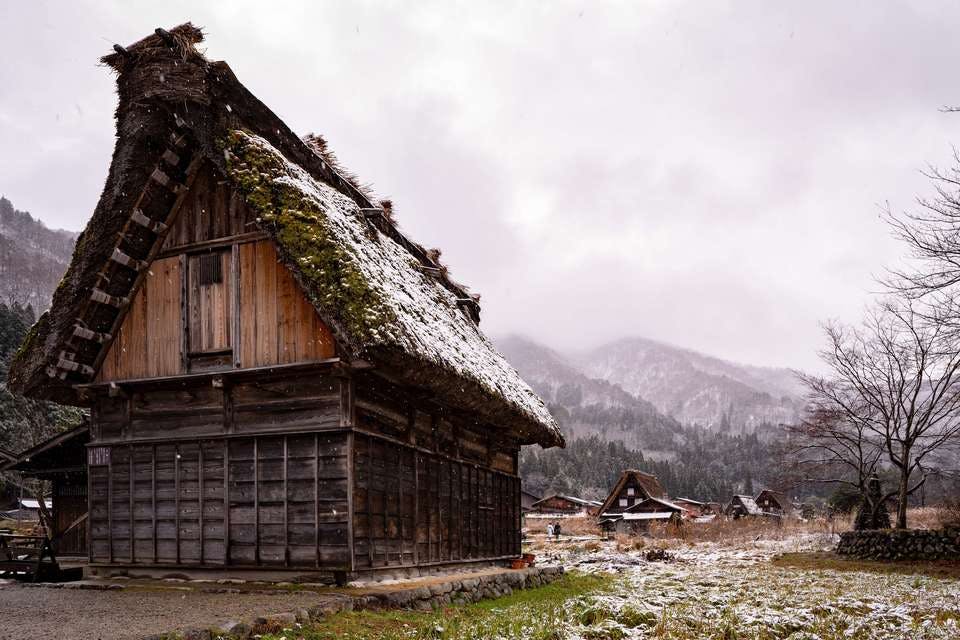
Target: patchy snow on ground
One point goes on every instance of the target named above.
(712, 591)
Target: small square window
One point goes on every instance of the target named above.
(623, 502)
(630, 491)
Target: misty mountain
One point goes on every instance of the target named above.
(586, 406)
(609, 429)
(33, 258)
(694, 388)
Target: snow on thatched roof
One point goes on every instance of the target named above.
(654, 502)
(746, 503)
(386, 298)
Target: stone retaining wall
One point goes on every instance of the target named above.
(901, 544)
(423, 597)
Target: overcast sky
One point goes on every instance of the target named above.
(707, 174)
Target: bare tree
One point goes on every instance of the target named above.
(932, 235)
(832, 443)
(894, 384)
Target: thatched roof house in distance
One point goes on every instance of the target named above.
(251, 328)
(771, 501)
(565, 505)
(632, 487)
(741, 506)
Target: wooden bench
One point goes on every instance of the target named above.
(27, 557)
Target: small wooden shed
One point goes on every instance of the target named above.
(565, 505)
(278, 378)
(61, 460)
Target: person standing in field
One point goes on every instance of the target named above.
(549, 530)
(556, 530)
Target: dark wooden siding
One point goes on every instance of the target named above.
(430, 487)
(258, 501)
(69, 504)
(306, 401)
(413, 507)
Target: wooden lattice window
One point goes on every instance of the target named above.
(211, 269)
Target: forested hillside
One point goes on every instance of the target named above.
(33, 258)
(609, 430)
(25, 422)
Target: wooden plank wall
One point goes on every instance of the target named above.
(415, 508)
(69, 503)
(278, 324)
(148, 342)
(428, 488)
(262, 501)
(310, 401)
(212, 210)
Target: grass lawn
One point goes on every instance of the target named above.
(832, 561)
(534, 614)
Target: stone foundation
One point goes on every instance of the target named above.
(901, 544)
(421, 595)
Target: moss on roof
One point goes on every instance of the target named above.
(299, 223)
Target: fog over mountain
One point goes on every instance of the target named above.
(686, 386)
(33, 258)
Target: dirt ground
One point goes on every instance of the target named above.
(38, 613)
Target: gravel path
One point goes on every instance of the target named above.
(38, 613)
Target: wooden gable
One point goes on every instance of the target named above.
(217, 297)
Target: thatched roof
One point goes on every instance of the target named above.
(387, 299)
(647, 482)
(744, 503)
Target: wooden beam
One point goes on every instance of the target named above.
(351, 508)
(153, 497)
(87, 334)
(160, 177)
(102, 297)
(232, 375)
(130, 479)
(316, 500)
(170, 157)
(286, 507)
(256, 501)
(176, 496)
(140, 218)
(217, 243)
(200, 495)
(76, 367)
(121, 258)
(226, 503)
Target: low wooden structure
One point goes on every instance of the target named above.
(565, 506)
(693, 507)
(29, 558)
(278, 378)
(62, 461)
(527, 500)
(632, 487)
